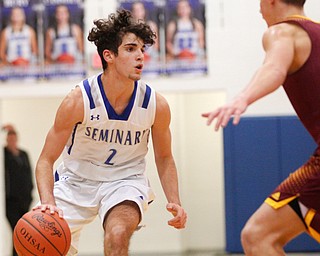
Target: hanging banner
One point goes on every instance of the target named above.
(185, 37)
(41, 39)
(63, 39)
(19, 52)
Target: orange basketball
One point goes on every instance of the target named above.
(41, 233)
(20, 62)
(186, 54)
(65, 58)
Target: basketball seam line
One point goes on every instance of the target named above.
(22, 244)
(64, 233)
(43, 236)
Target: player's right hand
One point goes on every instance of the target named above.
(223, 114)
(51, 207)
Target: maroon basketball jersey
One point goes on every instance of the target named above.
(303, 86)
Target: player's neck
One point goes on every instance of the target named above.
(293, 11)
(117, 87)
(17, 27)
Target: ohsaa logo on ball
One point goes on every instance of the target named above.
(32, 241)
(42, 233)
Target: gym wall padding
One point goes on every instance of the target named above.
(258, 154)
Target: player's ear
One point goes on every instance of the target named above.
(108, 56)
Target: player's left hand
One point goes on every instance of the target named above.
(180, 216)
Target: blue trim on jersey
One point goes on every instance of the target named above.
(73, 136)
(56, 176)
(110, 110)
(147, 97)
(88, 91)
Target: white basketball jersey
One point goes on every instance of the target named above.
(64, 43)
(18, 43)
(107, 146)
(185, 37)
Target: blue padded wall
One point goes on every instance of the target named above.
(258, 154)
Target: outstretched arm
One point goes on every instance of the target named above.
(279, 55)
(161, 137)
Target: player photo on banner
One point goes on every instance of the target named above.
(63, 39)
(19, 49)
(149, 11)
(185, 37)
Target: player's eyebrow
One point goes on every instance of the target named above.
(131, 44)
(134, 45)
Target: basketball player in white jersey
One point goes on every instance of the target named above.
(64, 41)
(18, 44)
(185, 35)
(103, 128)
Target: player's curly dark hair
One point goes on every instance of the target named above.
(108, 33)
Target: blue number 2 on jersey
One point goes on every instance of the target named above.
(108, 161)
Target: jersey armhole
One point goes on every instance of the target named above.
(85, 104)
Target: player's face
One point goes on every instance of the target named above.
(62, 14)
(12, 140)
(184, 9)
(129, 62)
(138, 11)
(17, 16)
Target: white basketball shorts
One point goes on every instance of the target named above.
(81, 200)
